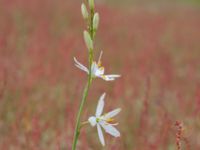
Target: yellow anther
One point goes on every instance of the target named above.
(99, 64)
(101, 68)
(110, 120)
(103, 76)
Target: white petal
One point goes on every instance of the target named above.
(94, 68)
(80, 66)
(110, 129)
(106, 78)
(99, 71)
(100, 133)
(113, 76)
(112, 113)
(100, 105)
(92, 121)
(110, 77)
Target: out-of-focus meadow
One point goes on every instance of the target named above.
(154, 46)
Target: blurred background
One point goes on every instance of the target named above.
(153, 44)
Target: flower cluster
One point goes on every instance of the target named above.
(95, 70)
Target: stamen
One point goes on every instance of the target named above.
(101, 68)
(99, 61)
(111, 121)
(99, 64)
(103, 76)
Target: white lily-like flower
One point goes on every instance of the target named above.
(104, 121)
(96, 69)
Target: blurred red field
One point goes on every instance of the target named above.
(156, 49)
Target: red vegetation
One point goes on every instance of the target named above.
(156, 50)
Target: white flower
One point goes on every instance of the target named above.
(96, 69)
(104, 121)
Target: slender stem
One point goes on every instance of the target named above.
(77, 129)
(85, 94)
(91, 24)
(87, 86)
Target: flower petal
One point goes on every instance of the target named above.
(80, 66)
(110, 129)
(100, 105)
(94, 68)
(92, 121)
(100, 134)
(110, 77)
(99, 71)
(112, 113)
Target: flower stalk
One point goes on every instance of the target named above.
(90, 47)
(93, 70)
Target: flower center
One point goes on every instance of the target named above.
(98, 119)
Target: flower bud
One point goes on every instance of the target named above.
(84, 11)
(91, 4)
(96, 21)
(88, 40)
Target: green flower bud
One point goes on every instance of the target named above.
(96, 21)
(84, 11)
(88, 40)
(91, 4)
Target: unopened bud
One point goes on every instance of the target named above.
(84, 11)
(88, 40)
(96, 21)
(91, 4)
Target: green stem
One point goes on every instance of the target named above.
(91, 24)
(87, 86)
(77, 129)
(85, 94)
